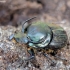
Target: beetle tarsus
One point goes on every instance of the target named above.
(31, 57)
(53, 62)
(60, 58)
(11, 37)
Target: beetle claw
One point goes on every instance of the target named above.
(60, 58)
(53, 61)
(29, 58)
(11, 37)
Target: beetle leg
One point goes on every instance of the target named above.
(31, 52)
(60, 58)
(11, 37)
(53, 61)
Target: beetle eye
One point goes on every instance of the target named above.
(28, 38)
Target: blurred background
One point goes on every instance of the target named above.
(13, 13)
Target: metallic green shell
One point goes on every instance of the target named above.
(39, 34)
(55, 36)
(59, 38)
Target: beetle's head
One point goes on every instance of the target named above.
(19, 37)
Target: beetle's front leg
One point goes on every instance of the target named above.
(25, 24)
(11, 37)
(31, 52)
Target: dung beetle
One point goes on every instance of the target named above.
(41, 35)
